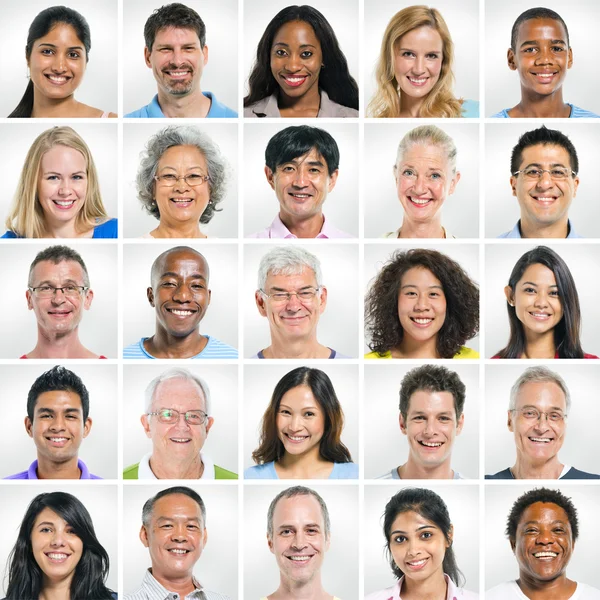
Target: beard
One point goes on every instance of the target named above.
(178, 88)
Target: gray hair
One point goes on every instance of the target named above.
(538, 374)
(182, 135)
(428, 134)
(177, 373)
(178, 489)
(288, 260)
(297, 490)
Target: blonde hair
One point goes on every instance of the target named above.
(429, 135)
(440, 102)
(26, 218)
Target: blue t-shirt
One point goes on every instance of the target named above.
(214, 349)
(576, 113)
(267, 471)
(108, 229)
(470, 109)
(153, 111)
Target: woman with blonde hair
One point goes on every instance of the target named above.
(414, 70)
(58, 195)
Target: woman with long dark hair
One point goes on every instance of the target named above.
(57, 552)
(57, 53)
(301, 431)
(543, 308)
(300, 70)
(418, 534)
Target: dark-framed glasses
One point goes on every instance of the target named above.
(305, 295)
(192, 179)
(533, 414)
(49, 291)
(169, 416)
(556, 173)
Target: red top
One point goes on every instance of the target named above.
(25, 356)
(585, 355)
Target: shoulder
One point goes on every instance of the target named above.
(389, 593)
(141, 113)
(266, 471)
(503, 591)
(465, 352)
(344, 471)
(221, 473)
(329, 108)
(136, 350)
(581, 113)
(10, 234)
(387, 354)
(258, 108)
(217, 109)
(470, 109)
(131, 472)
(586, 355)
(21, 475)
(506, 474)
(574, 473)
(108, 229)
(503, 114)
(586, 592)
(217, 349)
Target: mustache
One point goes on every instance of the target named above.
(174, 67)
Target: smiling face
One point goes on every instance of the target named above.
(424, 179)
(296, 59)
(418, 546)
(176, 60)
(299, 542)
(544, 201)
(56, 548)
(544, 542)
(57, 62)
(301, 186)
(175, 537)
(541, 56)
(418, 61)
(179, 292)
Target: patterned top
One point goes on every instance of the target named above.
(152, 590)
(214, 349)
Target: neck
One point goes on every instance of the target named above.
(182, 585)
(539, 345)
(309, 102)
(59, 346)
(306, 228)
(431, 229)
(181, 230)
(410, 348)
(65, 230)
(48, 469)
(309, 590)
(559, 229)
(164, 345)
(303, 466)
(527, 469)
(557, 589)
(194, 104)
(409, 106)
(432, 588)
(300, 348)
(535, 106)
(56, 590)
(414, 470)
(51, 107)
(190, 468)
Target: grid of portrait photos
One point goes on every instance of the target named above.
(374, 225)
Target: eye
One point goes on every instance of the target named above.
(426, 535)
(529, 290)
(435, 176)
(279, 297)
(410, 293)
(399, 539)
(73, 54)
(193, 527)
(285, 532)
(445, 419)
(418, 418)
(45, 416)
(45, 289)
(312, 531)
(72, 417)
(280, 52)
(288, 168)
(306, 54)
(168, 284)
(284, 411)
(194, 177)
(169, 177)
(555, 293)
(434, 294)
(52, 178)
(166, 526)
(309, 413)
(197, 286)
(433, 55)
(533, 172)
(558, 49)
(408, 173)
(529, 414)
(559, 530)
(408, 54)
(45, 529)
(530, 50)
(78, 177)
(47, 51)
(70, 289)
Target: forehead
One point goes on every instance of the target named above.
(63, 155)
(540, 29)
(420, 276)
(179, 392)
(313, 155)
(186, 154)
(183, 263)
(176, 36)
(48, 515)
(545, 154)
(429, 155)
(544, 512)
(426, 401)
(546, 393)
(58, 400)
(539, 274)
(296, 281)
(298, 510)
(65, 270)
(176, 506)
(61, 34)
(296, 33)
(300, 396)
(410, 520)
(425, 38)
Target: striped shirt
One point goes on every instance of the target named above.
(214, 349)
(576, 113)
(152, 590)
(393, 474)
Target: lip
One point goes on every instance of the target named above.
(426, 448)
(293, 81)
(545, 200)
(300, 439)
(57, 80)
(180, 440)
(421, 322)
(178, 74)
(299, 560)
(181, 313)
(53, 440)
(545, 77)
(181, 202)
(417, 81)
(545, 557)
(179, 551)
(419, 202)
(417, 565)
(295, 320)
(536, 439)
(300, 197)
(59, 206)
(60, 314)
(540, 316)
(64, 556)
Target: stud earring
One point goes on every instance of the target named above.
(28, 75)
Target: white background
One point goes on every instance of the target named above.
(98, 327)
(221, 314)
(217, 569)
(338, 324)
(461, 16)
(339, 573)
(99, 85)
(222, 442)
(503, 88)
(224, 224)
(98, 450)
(260, 381)
(500, 260)
(260, 202)
(220, 73)
(383, 211)
(386, 447)
(502, 208)
(463, 506)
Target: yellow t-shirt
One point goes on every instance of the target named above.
(464, 352)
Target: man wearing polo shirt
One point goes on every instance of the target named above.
(57, 420)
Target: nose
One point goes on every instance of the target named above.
(293, 303)
(59, 296)
(429, 427)
(413, 547)
(422, 302)
(59, 63)
(296, 423)
(544, 56)
(177, 56)
(64, 188)
(419, 65)
(544, 537)
(57, 538)
(541, 299)
(300, 178)
(181, 184)
(545, 181)
(419, 185)
(179, 533)
(293, 62)
(58, 423)
(182, 293)
(299, 541)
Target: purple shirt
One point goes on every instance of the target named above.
(31, 473)
(278, 230)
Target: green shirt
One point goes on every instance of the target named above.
(131, 472)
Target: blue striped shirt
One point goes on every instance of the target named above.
(214, 349)
(153, 590)
(576, 113)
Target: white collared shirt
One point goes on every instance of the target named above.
(145, 472)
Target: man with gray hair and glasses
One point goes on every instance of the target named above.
(537, 415)
(177, 420)
(292, 297)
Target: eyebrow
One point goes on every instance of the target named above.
(45, 523)
(412, 285)
(175, 168)
(426, 51)
(535, 42)
(187, 519)
(557, 521)
(304, 287)
(287, 45)
(541, 166)
(57, 173)
(52, 411)
(536, 284)
(303, 408)
(188, 45)
(297, 161)
(313, 525)
(55, 46)
(51, 283)
(417, 529)
(173, 274)
(557, 408)
(422, 412)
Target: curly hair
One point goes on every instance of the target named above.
(462, 302)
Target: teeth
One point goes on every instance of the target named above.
(182, 313)
(178, 551)
(545, 554)
(417, 80)
(178, 73)
(57, 78)
(545, 199)
(299, 558)
(422, 321)
(57, 555)
(297, 438)
(295, 79)
(417, 563)
(301, 195)
(546, 440)
(539, 315)
(181, 199)
(180, 440)
(64, 202)
(60, 439)
(432, 444)
(419, 201)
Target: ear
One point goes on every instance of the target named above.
(459, 425)
(87, 426)
(150, 296)
(147, 58)
(332, 180)
(510, 57)
(270, 542)
(570, 61)
(323, 300)
(144, 536)
(512, 545)
(327, 542)
(510, 296)
(395, 172)
(509, 421)
(205, 52)
(209, 297)
(261, 303)
(513, 184)
(29, 300)
(402, 424)
(576, 184)
(28, 427)
(205, 536)
(450, 536)
(455, 180)
(270, 176)
(209, 424)
(89, 296)
(146, 425)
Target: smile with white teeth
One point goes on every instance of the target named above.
(417, 563)
(539, 315)
(431, 444)
(299, 558)
(300, 195)
(415, 81)
(295, 79)
(180, 313)
(420, 201)
(57, 555)
(57, 78)
(182, 200)
(297, 438)
(178, 551)
(545, 554)
(177, 73)
(421, 321)
(544, 440)
(58, 439)
(64, 202)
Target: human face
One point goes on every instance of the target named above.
(179, 292)
(421, 304)
(299, 542)
(538, 441)
(544, 542)
(418, 546)
(431, 427)
(419, 55)
(544, 201)
(62, 184)
(57, 62)
(536, 300)
(56, 547)
(175, 537)
(295, 318)
(58, 426)
(424, 179)
(177, 60)
(182, 202)
(179, 441)
(296, 59)
(301, 185)
(59, 315)
(542, 56)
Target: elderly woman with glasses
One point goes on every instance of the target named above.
(181, 180)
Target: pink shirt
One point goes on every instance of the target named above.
(278, 230)
(393, 593)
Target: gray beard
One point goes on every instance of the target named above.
(180, 91)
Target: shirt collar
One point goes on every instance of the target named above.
(451, 595)
(279, 230)
(32, 471)
(268, 106)
(145, 472)
(156, 591)
(515, 232)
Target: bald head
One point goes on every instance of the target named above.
(169, 258)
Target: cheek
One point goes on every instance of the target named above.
(401, 66)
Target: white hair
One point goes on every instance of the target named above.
(288, 260)
(177, 373)
(428, 135)
(538, 374)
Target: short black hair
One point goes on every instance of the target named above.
(545, 137)
(58, 379)
(547, 496)
(178, 489)
(432, 378)
(56, 255)
(174, 15)
(298, 140)
(534, 13)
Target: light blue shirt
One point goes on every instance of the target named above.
(153, 110)
(576, 113)
(214, 349)
(267, 471)
(470, 109)
(515, 232)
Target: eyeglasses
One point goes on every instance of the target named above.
(556, 173)
(533, 414)
(49, 291)
(306, 295)
(170, 416)
(193, 179)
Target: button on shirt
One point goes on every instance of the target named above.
(278, 230)
(153, 590)
(31, 473)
